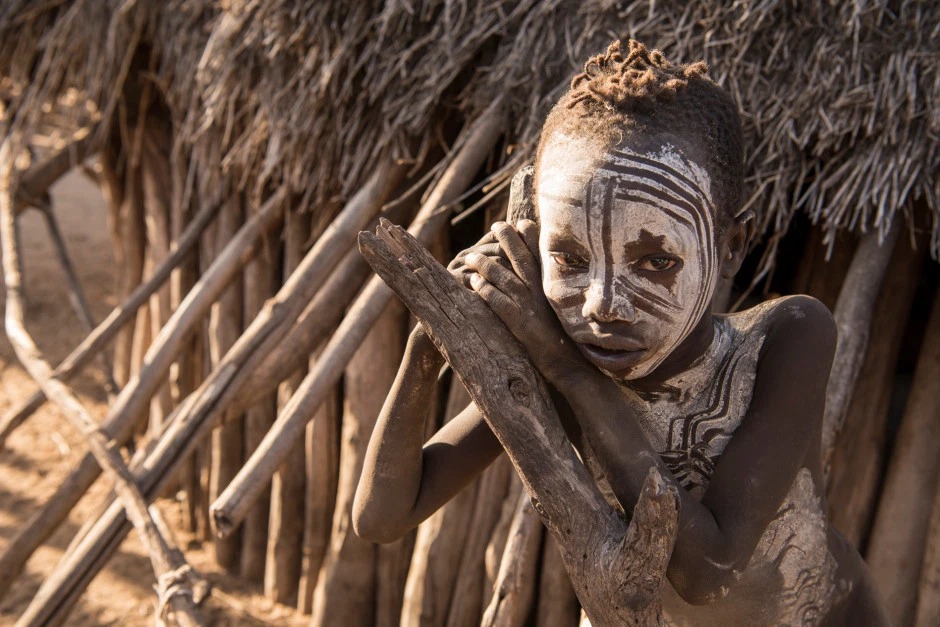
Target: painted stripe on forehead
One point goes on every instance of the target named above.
(702, 214)
(662, 167)
(638, 174)
(665, 205)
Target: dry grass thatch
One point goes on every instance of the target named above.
(841, 99)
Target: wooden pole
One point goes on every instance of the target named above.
(438, 546)
(557, 603)
(514, 592)
(497, 540)
(194, 419)
(225, 326)
(899, 534)
(345, 593)
(616, 569)
(467, 600)
(259, 286)
(928, 591)
(322, 474)
(130, 274)
(230, 509)
(858, 458)
(124, 414)
(853, 315)
(157, 193)
(286, 518)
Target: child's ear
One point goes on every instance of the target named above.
(736, 243)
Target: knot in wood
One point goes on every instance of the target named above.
(519, 390)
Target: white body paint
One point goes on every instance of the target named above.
(616, 209)
(791, 578)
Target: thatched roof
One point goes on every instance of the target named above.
(841, 99)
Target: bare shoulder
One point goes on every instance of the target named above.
(795, 323)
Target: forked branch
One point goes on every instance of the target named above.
(617, 569)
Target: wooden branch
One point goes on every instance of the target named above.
(225, 325)
(616, 570)
(858, 460)
(286, 503)
(467, 602)
(261, 278)
(853, 315)
(107, 455)
(322, 470)
(229, 510)
(34, 184)
(899, 534)
(124, 414)
(76, 293)
(514, 591)
(557, 603)
(347, 586)
(440, 541)
(496, 544)
(192, 421)
(928, 590)
(98, 339)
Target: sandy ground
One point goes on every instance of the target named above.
(41, 452)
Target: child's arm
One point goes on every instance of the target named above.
(404, 480)
(717, 535)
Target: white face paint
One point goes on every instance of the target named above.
(628, 250)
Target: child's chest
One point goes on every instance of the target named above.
(692, 421)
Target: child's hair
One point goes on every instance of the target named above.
(643, 97)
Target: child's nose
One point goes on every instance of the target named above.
(603, 305)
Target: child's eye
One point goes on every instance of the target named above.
(658, 263)
(567, 260)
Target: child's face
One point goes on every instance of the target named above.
(628, 250)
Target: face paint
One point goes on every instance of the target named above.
(628, 250)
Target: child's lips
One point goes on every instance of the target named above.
(612, 359)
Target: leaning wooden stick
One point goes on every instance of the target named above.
(36, 181)
(76, 293)
(108, 328)
(230, 509)
(853, 315)
(107, 455)
(617, 570)
(134, 399)
(202, 410)
(516, 581)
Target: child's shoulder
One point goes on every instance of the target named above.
(799, 320)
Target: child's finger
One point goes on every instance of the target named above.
(490, 250)
(502, 305)
(518, 253)
(504, 280)
(529, 231)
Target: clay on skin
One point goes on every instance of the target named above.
(629, 260)
(626, 237)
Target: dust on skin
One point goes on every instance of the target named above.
(626, 237)
(629, 239)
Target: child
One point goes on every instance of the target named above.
(638, 182)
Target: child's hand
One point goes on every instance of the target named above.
(488, 246)
(513, 291)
